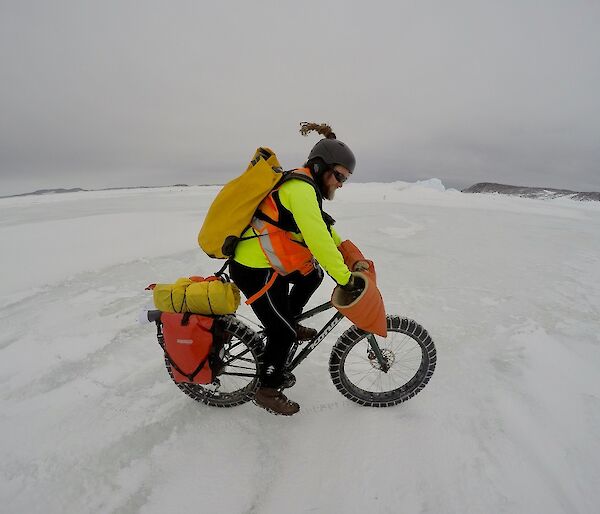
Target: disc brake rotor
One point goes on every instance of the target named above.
(388, 356)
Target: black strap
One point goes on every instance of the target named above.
(223, 268)
(328, 219)
(262, 216)
(250, 237)
(287, 223)
(208, 297)
(189, 376)
(192, 375)
(291, 174)
(183, 302)
(185, 319)
(264, 154)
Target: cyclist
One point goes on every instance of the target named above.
(294, 241)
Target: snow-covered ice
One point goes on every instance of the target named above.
(509, 289)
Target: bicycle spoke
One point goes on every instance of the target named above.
(358, 358)
(403, 355)
(363, 376)
(413, 352)
(240, 367)
(237, 356)
(377, 377)
(229, 348)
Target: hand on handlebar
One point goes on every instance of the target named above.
(361, 266)
(353, 288)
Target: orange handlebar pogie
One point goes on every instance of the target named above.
(367, 311)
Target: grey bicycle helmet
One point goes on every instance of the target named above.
(333, 151)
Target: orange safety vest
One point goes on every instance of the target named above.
(273, 226)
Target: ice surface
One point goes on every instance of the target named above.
(509, 288)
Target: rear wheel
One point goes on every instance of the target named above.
(237, 377)
(406, 361)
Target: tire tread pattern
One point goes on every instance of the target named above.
(353, 335)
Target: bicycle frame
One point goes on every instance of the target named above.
(293, 359)
(322, 334)
(314, 342)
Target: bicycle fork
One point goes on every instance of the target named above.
(383, 363)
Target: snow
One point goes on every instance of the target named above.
(432, 183)
(509, 289)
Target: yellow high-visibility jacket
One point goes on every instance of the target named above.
(299, 197)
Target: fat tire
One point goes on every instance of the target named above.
(249, 338)
(354, 335)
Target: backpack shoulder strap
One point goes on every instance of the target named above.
(285, 177)
(305, 177)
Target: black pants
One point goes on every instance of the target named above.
(276, 310)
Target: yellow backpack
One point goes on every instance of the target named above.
(232, 209)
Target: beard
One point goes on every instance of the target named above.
(326, 192)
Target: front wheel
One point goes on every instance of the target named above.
(392, 373)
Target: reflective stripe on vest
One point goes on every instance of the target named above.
(266, 243)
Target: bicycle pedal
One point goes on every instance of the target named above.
(289, 380)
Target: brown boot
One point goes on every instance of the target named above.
(275, 401)
(305, 333)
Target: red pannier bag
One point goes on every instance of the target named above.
(188, 340)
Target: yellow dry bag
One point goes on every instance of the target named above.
(210, 296)
(232, 210)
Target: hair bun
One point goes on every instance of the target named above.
(320, 128)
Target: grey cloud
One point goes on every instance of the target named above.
(123, 93)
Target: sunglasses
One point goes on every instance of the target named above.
(340, 177)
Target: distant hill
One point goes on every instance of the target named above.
(544, 193)
(78, 189)
(49, 191)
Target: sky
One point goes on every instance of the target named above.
(123, 93)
